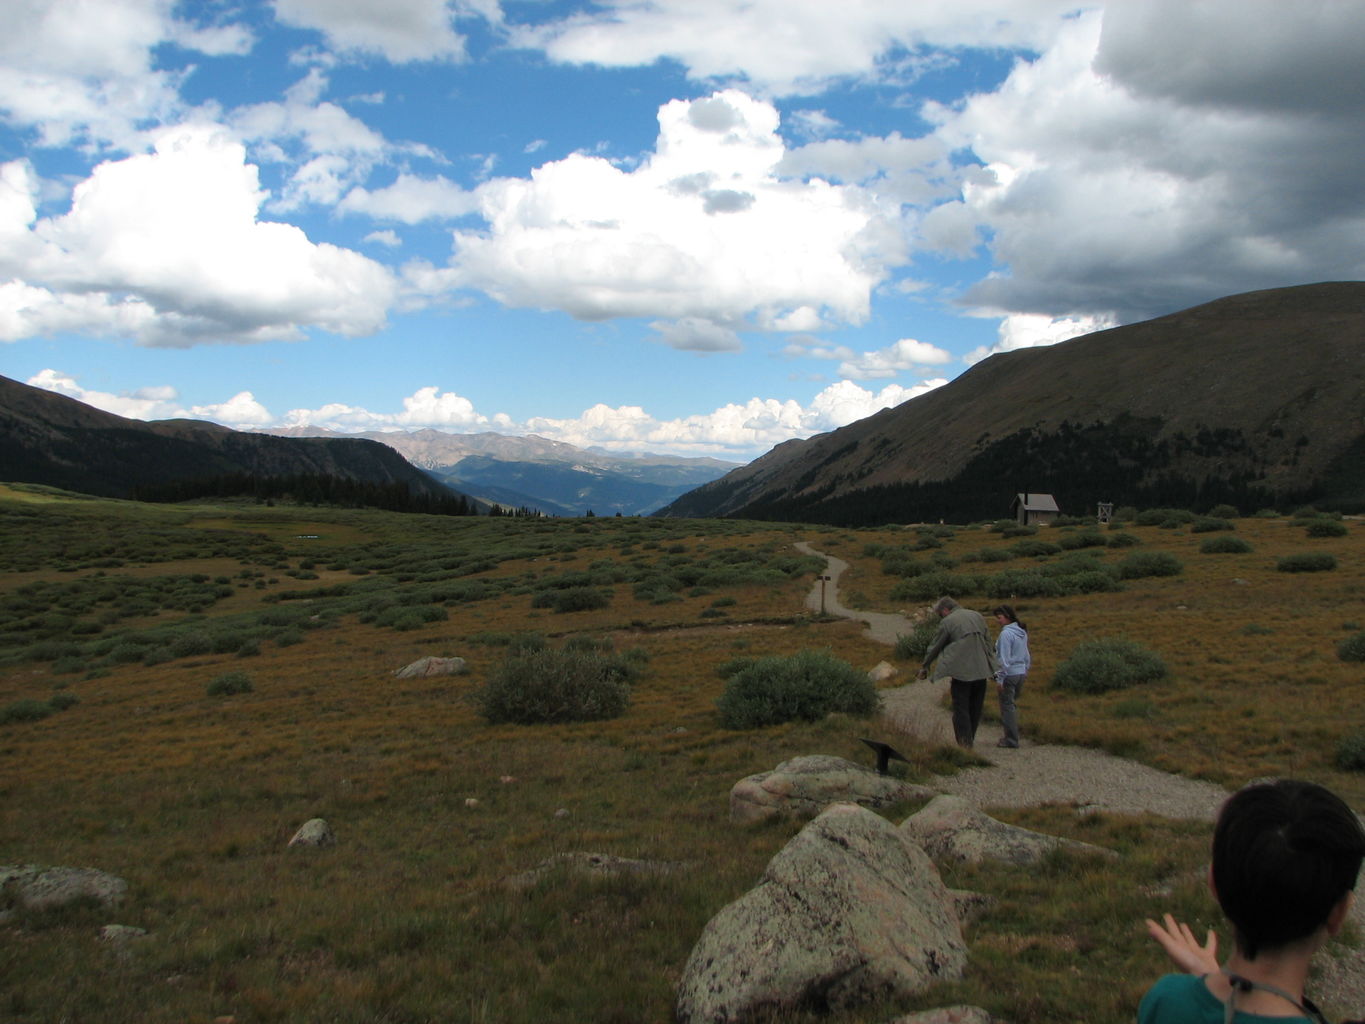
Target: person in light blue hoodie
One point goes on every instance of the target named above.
(1011, 649)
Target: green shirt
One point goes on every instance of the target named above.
(1185, 999)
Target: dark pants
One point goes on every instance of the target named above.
(968, 697)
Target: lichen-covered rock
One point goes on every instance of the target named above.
(431, 666)
(805, 786)
(883, 671)
(949, 827)
(592, 865)
(847, 912)
(314, 833)
(34, 887)
(946, 1015)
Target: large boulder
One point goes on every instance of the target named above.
(34, 887)
(805, 786)
(849, 911)
(950, 828)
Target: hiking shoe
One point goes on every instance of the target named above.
(1007, 744)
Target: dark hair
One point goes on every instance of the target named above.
(1284, 854)
(1008, 612)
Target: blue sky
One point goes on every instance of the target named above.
(699, 227)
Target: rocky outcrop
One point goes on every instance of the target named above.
(34, 887)
(950, 828)
(804, 786)
(848, 911)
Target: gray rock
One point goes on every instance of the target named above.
(949, 827)
(121, 933)
(34, 887)
(804, 786)
(315, 832)
(883, 671)
(946, 1015)
(592, 865)
(847, 912)
(424, 667)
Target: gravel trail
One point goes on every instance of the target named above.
(1090, 780)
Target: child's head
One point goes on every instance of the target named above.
(1285, 853)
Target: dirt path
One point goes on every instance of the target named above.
(1037, 773)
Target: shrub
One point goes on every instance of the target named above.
(1149, 563)
(1123, 539)
(806, 686)
(1352, 648)
(1035, 549)
(934, 584)
(1023, 583)
(547, 686)
(1225, 512)
(1350, 755)
(1210, 524)
(1326, 528)
(1224, 546)
(230, 683)
(62, 701)
(1097, 666)
(26, 710)
(1310, 562)
(1082, 539)
(911, 646)
(572, 599)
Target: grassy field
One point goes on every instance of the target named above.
(116, 618)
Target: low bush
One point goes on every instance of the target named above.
(230, 683)
(572, 599)
(26, 710)
(1352, 648)
(1225, 512)
(911, 646)
(1326, 528)
(1123, 539)
(1098, 666)
(805, 687)
(546, 686)
(1082, 539)
(1350, 755)
(1141, 564)
(1210, 524)
(1035, 549)
(933, 584)
(1308, 562)
(1224, 546)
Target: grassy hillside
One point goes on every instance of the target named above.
(135, 610)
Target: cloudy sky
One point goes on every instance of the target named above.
(690, 226)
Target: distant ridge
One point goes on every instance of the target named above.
(47, 438)
(547, 476)
(1255, 399)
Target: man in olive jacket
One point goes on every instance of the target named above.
(965, 645)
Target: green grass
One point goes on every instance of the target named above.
(408, 918)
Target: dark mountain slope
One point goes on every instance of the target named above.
(1255, 399)
(51, 439)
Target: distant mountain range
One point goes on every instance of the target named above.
(48, 438)
(544, 475)
(1255, 400)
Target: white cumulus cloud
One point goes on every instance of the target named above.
(398, 30)
(169, 243)
(704, 229)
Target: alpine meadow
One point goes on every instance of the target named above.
(183, 686)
